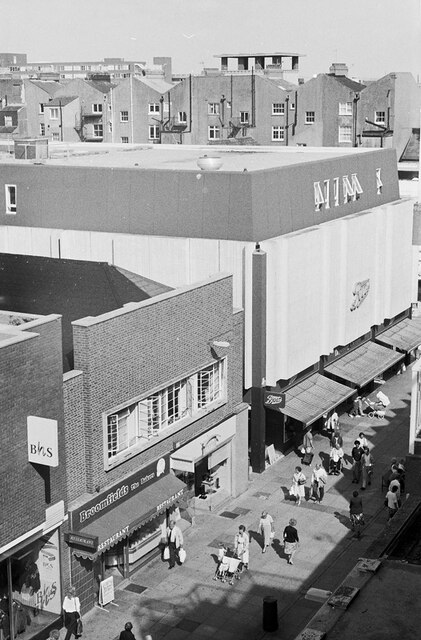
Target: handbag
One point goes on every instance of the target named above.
(79, 627)
(302, 480)
(272, 535)
(166, 554)
(182, 555)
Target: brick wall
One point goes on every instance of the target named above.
(31, 382)
(74, 420)
(126, 356)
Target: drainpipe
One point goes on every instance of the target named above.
(161, 121)
(131, 109)
(286, 119)
(355, 119)
(253, 99)
(61, 120)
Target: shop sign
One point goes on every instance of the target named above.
(274, 400)
(42, 441)
(169, 501)
(360, 292)
(75, 539)
(343, 191)
(106, 591)
(122, 491)
(122, 533)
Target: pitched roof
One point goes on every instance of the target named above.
(72, 288)
(350, 84)
(101, 85)
(47, 85)
(60, 101)
(157, 84)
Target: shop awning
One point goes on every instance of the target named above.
(405, 335)
(120, 522)
(364, 363)
(313, 397)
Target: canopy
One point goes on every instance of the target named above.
(405, 335)
(364, 363)
(131, 514)
(313, 397)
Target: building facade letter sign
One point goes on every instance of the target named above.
(360, 292)
(42, 441)
(274, 400)
(351, 190)
(379, 183)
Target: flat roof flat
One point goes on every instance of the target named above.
(257, 55)
(174, 157)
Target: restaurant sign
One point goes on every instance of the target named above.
(78, 540)
(104, 502)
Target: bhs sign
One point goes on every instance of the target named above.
(42, 441)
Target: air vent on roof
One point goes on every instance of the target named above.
(209, 163)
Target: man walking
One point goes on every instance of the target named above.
(356, 455)
(175, 542)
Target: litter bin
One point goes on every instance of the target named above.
(270, 614)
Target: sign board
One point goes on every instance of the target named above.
(78, 540)
(120, 492)
(42, 441)
(271, 454)
(106, 591)
(274, 400)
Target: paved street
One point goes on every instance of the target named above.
(187, 603)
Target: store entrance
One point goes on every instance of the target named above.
(201, 474)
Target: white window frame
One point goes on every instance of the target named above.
(278, 134)
(54, 113)
(380, 119)
(97, 107)
(182, 117)
(153, 108)
(213, 108)
(55, 136)
(214, 132)
(95, 130)
(310, 117)
(244, 117)
(124, 116)
(8, 121)
(136, 425)
(345, 108)
(154, 132)
(278, 108)
(10, 192)
(41, 108)
(345, 136)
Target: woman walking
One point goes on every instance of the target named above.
(266, 529)
(241, 546)
(297, 488)
(291, 540)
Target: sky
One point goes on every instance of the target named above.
(373, 37)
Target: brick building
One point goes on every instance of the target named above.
(33, 471)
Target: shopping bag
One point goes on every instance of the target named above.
(272, 535)
(166, 554)
(182, 555)
(79, 627)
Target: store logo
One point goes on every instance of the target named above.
(351, 191)
(360, 292)
(274, 400)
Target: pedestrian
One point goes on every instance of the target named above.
(356, 514)
(335, 460)
(356, 455)
(291, 540)
(175, 542)
(127, 633)
(266, 530)
(71, 608)
(297, 488)
(367, 462)
(336, 437)
(54, 634)
(241, 546)
(395, 483)
(318, 481)
(357, 407)
(391, 502)
(362, 440)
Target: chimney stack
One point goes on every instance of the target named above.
(338, 69)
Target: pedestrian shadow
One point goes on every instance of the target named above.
(255, 535)
(343, 519)
(324, 459)
(278, 548)
(287, 495)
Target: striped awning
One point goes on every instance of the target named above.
(364, 363)
(311, 398)
(405, 335)
(120, 522)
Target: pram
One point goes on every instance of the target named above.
(228, 569)
(378, 407)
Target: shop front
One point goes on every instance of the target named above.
(205, 464)
(30, 580)
(124, 526)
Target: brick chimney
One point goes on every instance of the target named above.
(338, 69)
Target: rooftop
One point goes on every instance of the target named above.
(257, 55)
(172, 157)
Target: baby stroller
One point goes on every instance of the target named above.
(228, 569)
(377, 408)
